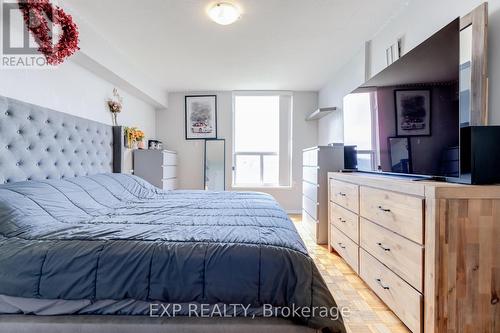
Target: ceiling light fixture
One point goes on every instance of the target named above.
(224, 13)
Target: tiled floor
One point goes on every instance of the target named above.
(368, 313)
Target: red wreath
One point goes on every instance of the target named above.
(36, 15)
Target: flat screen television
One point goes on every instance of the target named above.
(414, 110)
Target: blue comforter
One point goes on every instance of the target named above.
(114, 237)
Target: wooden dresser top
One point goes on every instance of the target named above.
(423, 188)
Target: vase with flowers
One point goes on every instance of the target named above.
(134, 137)
(115, 105)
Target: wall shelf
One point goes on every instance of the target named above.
(320, 113)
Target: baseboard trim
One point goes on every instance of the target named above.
(294, 212)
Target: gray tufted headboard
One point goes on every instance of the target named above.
(38, 143)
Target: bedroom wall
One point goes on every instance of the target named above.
(418, 21)
(170, 129)
(331, 127)
(74, 90)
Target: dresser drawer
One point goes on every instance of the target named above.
(402, 256)
(169, 158)
(310, 157)
(399, 296)
(345, 220)
(400, 213)
(310, 174)
(169, 184)
(169, 171)
(345, 194)
(310, 190)
(345, 247)
(311, 207)
(310, 224)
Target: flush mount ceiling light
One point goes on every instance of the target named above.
(224, 13)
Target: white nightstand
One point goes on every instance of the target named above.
(158, 167)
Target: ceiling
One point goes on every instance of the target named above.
(276, 45)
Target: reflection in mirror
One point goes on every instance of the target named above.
(359, 128)
(416, 99)
(399, 149)
(465, 75)
(215, 165)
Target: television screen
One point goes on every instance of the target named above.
(406, 119)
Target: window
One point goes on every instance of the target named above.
(359, 128)
(262, 128)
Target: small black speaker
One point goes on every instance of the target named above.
(479, 155)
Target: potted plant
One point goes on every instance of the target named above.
(139, 138)
(134, 137)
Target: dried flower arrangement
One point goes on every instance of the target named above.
(133, 135)
(115, 105)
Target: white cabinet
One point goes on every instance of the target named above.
(317, 162)
(158, 167)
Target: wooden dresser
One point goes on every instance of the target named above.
(159, 167)
(429, 250)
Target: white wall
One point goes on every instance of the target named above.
(170, 129)
(74, 90)
(104, 59)
(418, 21)
(331, 127)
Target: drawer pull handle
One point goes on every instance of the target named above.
(343, 221)
(384, 209)
(383, 247)
(379, 281)
(342, 194)
(342, 246)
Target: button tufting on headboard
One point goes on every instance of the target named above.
(38, 143)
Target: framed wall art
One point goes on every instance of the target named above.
(201, 117)
(413, 112)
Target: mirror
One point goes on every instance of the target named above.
(474, 67)
(215, 165)
(465, 75)
(399, 150)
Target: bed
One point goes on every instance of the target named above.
(83, 247)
